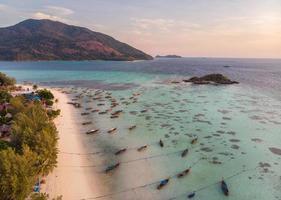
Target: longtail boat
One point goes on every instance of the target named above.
(132, 127)
(120, 151)
(194, 141)
(224, 188)
(191, 195)
(161, 143)
(86, 123)
(163, 183)
(184, 153)
(112, 167)
(142, 148)
(117, 112)
(183, 173)
(112, 130)
(92, 131)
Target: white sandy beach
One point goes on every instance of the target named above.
(72, 183)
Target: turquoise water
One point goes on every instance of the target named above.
(237, 126)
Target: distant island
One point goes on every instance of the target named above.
(36, 40)
(168, 56)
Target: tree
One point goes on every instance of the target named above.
(43, 196)
(35, 87)
(18, 173)
(17, 104)
(45, 94)
(5, 96)
(33, 128)
(6, 80)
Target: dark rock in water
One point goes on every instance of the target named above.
(211, 79)
(275, 151)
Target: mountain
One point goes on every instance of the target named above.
(51, 40)
(168, 56)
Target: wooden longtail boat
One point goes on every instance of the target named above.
(183, 173)
(224, 188)
(112, 167)
(112, 130)
(92, 131)
(194, 141)
(132, 127)
(120, 151)
(142, 148)
(161, 143)
(191, 195)
(163, 183)
(184, 153)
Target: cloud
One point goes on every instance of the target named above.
(54, 13)
(41, 15)
(60, 10)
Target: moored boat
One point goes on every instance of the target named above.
(112, 130)
(194, 141)
(224, 188)
(112, 167)
(132, 127)
(161, 143)
(184, 153)
(163, 183)
(191, 195)
(120, 151)
(183, 173)
(142, 148)
(92, 131)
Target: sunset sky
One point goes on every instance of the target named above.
(194, 28)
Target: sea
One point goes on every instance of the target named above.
(237, 127)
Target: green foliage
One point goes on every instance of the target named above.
(32, 151)
(5, 96)
(18, 173)
(49, 102)
(53, 113)
(39, 196)
(6, 80)
(45, 94)
(43, 196)
(17, 104)
(34, 128)
(4, 145)
(35, 87)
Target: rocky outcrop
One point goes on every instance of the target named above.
(217, 79)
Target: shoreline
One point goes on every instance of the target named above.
(68, 179)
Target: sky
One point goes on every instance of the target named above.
(192, 28)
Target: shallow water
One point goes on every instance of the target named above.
(238, 127)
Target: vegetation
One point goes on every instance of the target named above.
(18, 173)
(5, 96)
(31, 150)
(35, 87)
(6, 81)
(46, 96)
(53, 113)
(33, 127)
(43, 196)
